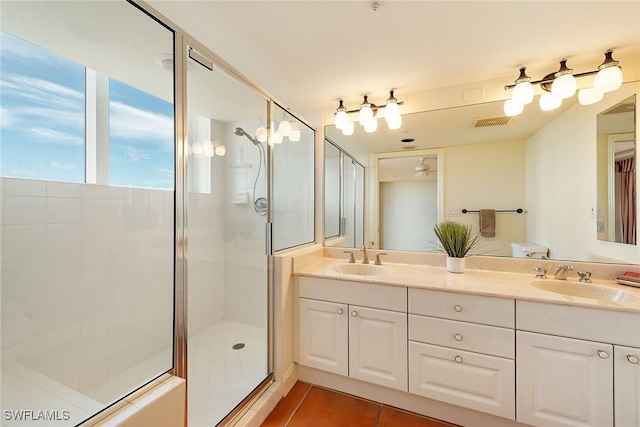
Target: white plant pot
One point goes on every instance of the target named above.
(455, 265)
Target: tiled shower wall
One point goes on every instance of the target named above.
(87, 278)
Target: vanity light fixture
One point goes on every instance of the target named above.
(367, 115)
(562, 85)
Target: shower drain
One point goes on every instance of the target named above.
(238, 346)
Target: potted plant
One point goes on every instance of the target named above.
(457, 240)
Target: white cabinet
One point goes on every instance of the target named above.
(378, 346)
(564, 381)
(354, 329)
(577, 366)
(475, 381)
(461, 350)
(627, 386)
(323, 334)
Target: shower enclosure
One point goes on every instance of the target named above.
(145, 186)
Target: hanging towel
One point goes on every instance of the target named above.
(488, 222)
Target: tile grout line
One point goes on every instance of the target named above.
(379, 415)
(297, 406)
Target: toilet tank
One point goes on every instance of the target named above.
(529, 250)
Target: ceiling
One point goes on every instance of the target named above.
(308, 54)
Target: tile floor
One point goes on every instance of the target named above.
(310, 406)
(221, 376)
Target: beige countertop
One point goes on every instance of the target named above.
(493, 283)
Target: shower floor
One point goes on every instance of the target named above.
(220, 377)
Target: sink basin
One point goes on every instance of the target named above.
(361, 269)
(586, 290)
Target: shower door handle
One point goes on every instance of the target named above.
(269, 238)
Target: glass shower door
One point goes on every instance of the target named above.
(227, 306)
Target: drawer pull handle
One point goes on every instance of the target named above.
(603, 354)
(354, 314)
(458, 359)
(457, 337)
(340, 311)
(634, 360)
(457, 308)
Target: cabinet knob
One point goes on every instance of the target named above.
(603, 354)
(340, 311)
(354, 314)
(457, 337)
(458, 359)
(634, 360)
(457, 308)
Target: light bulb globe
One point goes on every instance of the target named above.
(589, 96)
(348, 129)
(392, 111)
(513, 107)
(608, 79)
(549, 101)
(276, 138)
(341, 119)
(220, 150)
(196, 149)
(564, 86)
(284, 128)
(395, 123)
(365, 115)
(371, 125)
(207, 148)
(261, 134)
(294, 136)
(523, 93)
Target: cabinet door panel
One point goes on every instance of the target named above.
(378, 346)
(627, 386)
(323, 330)
(563, 381)
(475, 381)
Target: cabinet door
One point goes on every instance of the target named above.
(323, 335)
(627, 386)
(475, 381)
(563, 381)
(378, 346)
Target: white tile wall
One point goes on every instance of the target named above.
(87, 280)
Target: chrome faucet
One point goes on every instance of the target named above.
(563, 271)
(365, 257)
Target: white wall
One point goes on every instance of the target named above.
(502, 168)
(87, 282)
(561, 172)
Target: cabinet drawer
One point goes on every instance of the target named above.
(475, 381)
(469, 308)
(364, 294)
(464, 336)
(611, 326)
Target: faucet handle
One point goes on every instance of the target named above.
(540, 272)
(377, 261)
(352, 259)
(585, 276)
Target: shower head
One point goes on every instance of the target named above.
(240, 132)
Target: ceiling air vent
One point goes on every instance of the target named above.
(490, 121)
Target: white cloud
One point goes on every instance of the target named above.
(7, 118)
(52, 136)
(133, 123)
(62, 166)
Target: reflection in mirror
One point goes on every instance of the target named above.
(540, 161)
(344, 198)
(616, 173)
(408, 202)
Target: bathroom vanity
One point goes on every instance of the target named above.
(491, 342)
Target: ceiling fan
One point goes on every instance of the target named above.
(421, 170)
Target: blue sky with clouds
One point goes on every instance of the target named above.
(42, 122)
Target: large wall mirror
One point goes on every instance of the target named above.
(617, 173)
(542, 163)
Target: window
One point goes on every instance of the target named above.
(42, 103)
(141, 138)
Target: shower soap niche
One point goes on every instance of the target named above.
(240, 198)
